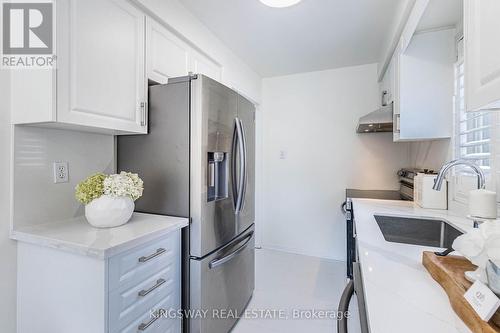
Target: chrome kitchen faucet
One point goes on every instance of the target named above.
(445, 168)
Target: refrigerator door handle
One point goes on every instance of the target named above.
(245, 166)
(234, 185)
(241, 176)
(220, 261)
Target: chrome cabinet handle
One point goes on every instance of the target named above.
(156, 316)
(220, 261)
(143, 113)
(158, 252)
(159, 282)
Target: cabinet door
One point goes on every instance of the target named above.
(482, 54)
(426, 76)
(101, 80)
(166, 55)
(200, 64)
(396, 60)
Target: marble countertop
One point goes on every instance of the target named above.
(77, 236)
(401, 296)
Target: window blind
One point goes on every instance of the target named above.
(473, 137)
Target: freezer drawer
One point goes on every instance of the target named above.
(223, 281)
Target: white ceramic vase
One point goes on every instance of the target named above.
(108, 211)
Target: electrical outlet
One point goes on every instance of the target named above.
(61, 172)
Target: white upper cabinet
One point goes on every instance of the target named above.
(426, 77)
(167, 55)
(99, 84)
(421, 75)
(482, 54)
(101, 67)
(203, 65)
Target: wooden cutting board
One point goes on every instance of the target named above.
(449, 273)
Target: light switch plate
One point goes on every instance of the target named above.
(61, 172)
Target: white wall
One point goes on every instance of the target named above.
(8, 253)
(37, 199)
(312, 118)
(235, 73)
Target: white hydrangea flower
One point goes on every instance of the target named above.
(125, 184)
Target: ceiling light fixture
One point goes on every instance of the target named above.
(280, 3)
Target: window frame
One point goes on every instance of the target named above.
(463, 179)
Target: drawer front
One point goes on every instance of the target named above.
(162, 324)
(134, 266)
(127, 304)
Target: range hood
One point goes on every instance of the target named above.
(380, 120)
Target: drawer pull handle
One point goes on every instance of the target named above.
(156, 316)
(158, 252)
(147, 291)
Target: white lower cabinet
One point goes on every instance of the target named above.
(132, 291)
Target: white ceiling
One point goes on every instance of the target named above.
(312, 35)
(442, 13)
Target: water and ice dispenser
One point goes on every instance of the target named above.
(218, 170)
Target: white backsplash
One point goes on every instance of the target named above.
(37, 199)
(430, 154)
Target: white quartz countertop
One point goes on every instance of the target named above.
(77, 236)
(401, 296)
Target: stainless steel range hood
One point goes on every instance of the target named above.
(380, 120)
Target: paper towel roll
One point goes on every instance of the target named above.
(483, 203)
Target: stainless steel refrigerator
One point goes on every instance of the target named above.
(198, 161)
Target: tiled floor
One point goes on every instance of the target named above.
(288, 282)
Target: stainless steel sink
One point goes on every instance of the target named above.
(417, 231)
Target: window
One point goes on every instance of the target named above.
(476, 137)
(473, 129)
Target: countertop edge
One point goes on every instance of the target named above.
(24, 235)
(374, 243)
